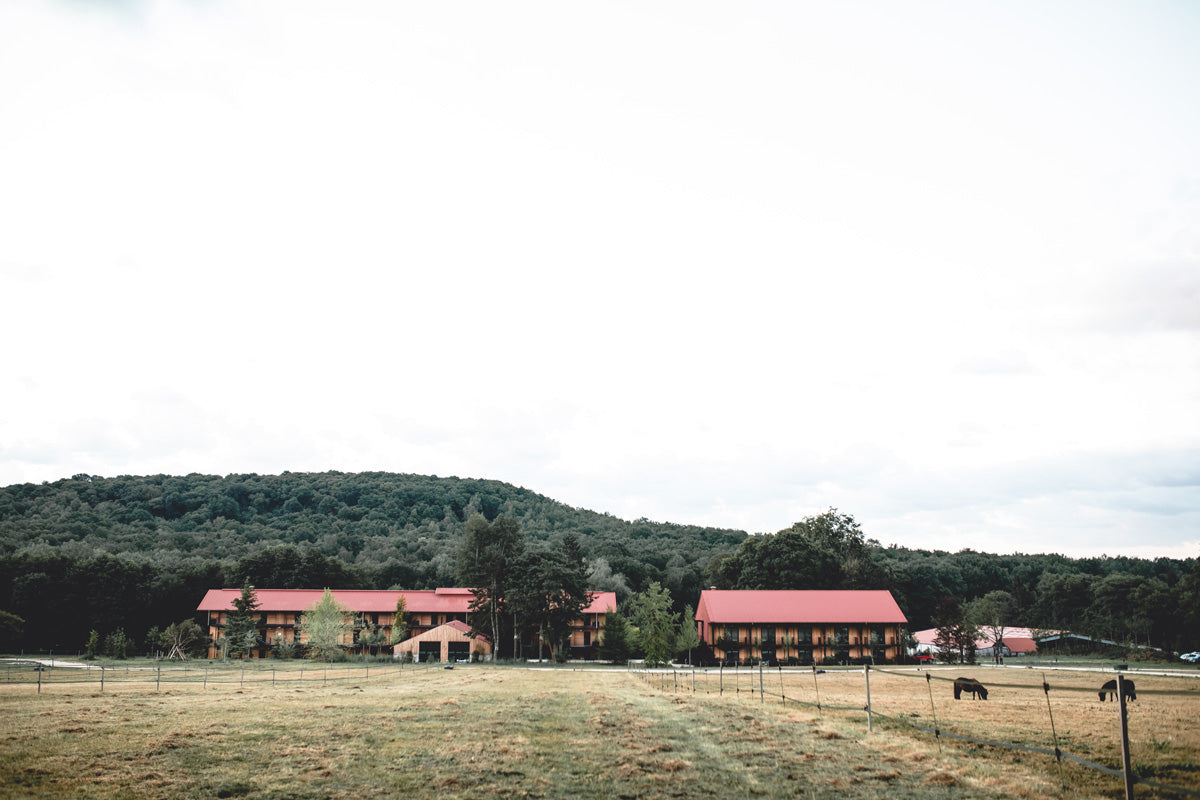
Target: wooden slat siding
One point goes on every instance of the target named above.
(823, 640)
(440, 606)
(443, 634)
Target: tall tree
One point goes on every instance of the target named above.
(601, 578)
(324, 623)
(615, 643)
(689, 634)
(992, 615)
(658, 626)
(242, 624)
(551, 592)
(400, 621)
(949, 623)
(826, 551)
(486, 561)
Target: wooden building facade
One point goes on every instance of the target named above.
(374, 610)
(801, 626)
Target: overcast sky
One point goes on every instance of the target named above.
(936, 265)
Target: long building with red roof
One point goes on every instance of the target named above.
(427, 609)
(801, 626)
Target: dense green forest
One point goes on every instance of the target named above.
(135, 552)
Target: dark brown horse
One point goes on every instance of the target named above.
(1109, 689)
(977, 689)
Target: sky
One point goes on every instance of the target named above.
(933, 264)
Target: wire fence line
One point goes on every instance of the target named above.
(47, 676)
(759, 684)
(756, 684)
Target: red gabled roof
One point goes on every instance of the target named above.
(464, 628)
(602, 603)
(440, 601)
(1018, 640)
(418, 601)
(783, 606)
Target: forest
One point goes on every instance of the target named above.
(135, 553)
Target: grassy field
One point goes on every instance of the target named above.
(510, 732)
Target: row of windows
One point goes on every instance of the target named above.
(805, 635)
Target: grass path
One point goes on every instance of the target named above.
(466, 733)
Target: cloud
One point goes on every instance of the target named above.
(1148, 297)
(715, 264)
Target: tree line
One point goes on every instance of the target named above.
(137, 553)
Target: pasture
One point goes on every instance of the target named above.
(482, 731)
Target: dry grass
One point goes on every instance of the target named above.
(475, 732)
(1164, 736)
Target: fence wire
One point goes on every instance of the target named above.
(46, 677)
(1057, 753)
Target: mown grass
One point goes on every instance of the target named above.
(487, 731)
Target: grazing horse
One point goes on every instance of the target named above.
(1109, 689)
(977, 689)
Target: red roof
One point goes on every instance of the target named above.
(1018, 640)
(418, 601)
(602, 603)
(784, 606)
(462, 627)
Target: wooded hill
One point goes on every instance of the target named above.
(139, 551)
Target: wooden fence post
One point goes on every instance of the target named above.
(867, 675)
(1125, 740)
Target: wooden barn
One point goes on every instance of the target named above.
(810, 626)
(446, 643)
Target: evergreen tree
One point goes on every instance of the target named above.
(615, 643)
(949, 623)
(551, 593)
(486, 561)
(241, 624)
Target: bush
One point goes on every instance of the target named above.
(283, 649)
(117, 644)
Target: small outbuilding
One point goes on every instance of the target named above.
(992, 642)
(446, 643)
